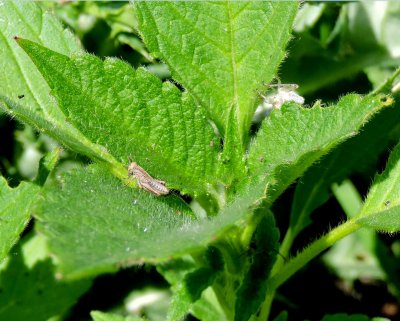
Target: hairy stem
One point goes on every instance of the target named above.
(387, 85)
(302, 259)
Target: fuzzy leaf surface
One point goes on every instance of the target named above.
(353, 155)
(18, 75)
(381, 209)
(24, 93)
(292, 138)
(132, 113)
(221, 52)
(95, 224)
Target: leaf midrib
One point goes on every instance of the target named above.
(233, 62)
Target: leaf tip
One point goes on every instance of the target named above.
(23, 43)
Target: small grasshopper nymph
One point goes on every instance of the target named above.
(145, 181)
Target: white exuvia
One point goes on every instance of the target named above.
(281, 94)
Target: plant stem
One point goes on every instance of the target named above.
(302, 259)
(284, 250)
(313, 250)
(386, 86)
(295, 229)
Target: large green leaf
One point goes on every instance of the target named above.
(292, 138)
(132, 113)
(94, 223)
(353, 155)
(222, 51)
(24, 93)
(381, 210)
(18, 75)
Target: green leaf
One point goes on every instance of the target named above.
(215, 52)
(203, 277)
(308, 16)
(208, 307)
(174, 270)
(353, 155)
(251, 292)
(132, 113)
(292, 138)
(34, 293)
(194, 283)
(15, 209)
(282, 316)
(16, 204)
(232, 165)
(344, 257)
(108, 222)
(24, 93)
(95, 224)
(38, 26)
(101, 316)
(61, 130)
(350, 317)
(381, 209)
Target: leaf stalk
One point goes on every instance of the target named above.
(302, 259)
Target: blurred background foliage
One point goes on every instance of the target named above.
(336, 48)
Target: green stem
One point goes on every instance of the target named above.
(298, 225)
(249, 229)
(219, 195)
(284, 250)
(302, 259)
(387, 85)
(223, 300)
(226, 285)
(313, 250)
(280, 261)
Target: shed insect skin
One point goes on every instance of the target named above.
(145, 181)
